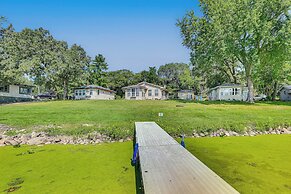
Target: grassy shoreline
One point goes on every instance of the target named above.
(116, 118)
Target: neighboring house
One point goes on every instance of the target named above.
(228, 92)
(93, 92)
(145, 91)
(15, 93)
(186, 95)
(285, 93)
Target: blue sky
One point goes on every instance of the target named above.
(131, 34)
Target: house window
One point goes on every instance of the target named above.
(24, 90)
(234, 91)
(221, 93)
(76, 92)
(150, 92)
(4, 89)
(98, 92)
(137, 92)
(156, 92)
(91, 92)
(84, 92)
(133, 92)
(128, 92)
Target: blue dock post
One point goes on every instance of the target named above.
(183, 141)
(134, 157)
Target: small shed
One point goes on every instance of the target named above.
(186, 94)
(285, 93)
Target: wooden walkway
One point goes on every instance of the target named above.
(167, 167)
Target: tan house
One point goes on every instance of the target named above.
(145, 91)
(15, 93)
(93, 92)
(228, 92)
(186, 94)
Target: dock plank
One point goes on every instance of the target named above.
(167, 167)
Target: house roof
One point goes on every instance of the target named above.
(226, 85)
(25, 85)
(143, 85)
(185, 91)
(288, 87)
(95, 87)
(21, 85)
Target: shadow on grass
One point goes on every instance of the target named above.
(138, 179)
(277, 103)
(138, 176)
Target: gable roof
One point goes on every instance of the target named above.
(95, 87)
(143, 85)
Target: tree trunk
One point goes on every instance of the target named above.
(65, 88)
(275, 91)
(251, 89)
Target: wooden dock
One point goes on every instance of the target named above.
(167, 167)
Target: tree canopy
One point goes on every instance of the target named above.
(235, 36)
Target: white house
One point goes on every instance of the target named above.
(93, 92)
(285, 93)
(15, 93)
(186, 94)
(229, 92)
(145, 91)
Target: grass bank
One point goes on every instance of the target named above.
(116, 118)
(68, 169)
(252, 165)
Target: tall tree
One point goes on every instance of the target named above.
(118, 79)
(69, 70)
(97, 71)
(241, 30)
(174, 75)
(36, 55)
(150, 76)
(11, 69)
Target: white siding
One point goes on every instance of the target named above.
(151, 93)
(186, 95)
(93, 94)
(229, 93)
(14, 92)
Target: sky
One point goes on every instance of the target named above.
(131, 34)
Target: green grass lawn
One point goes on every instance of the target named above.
(252, 165)
(67, 169)
(117, 117)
